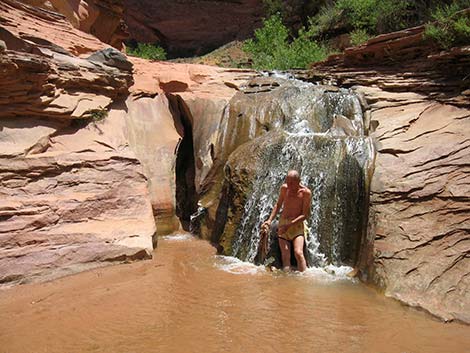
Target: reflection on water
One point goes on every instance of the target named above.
(189, 300)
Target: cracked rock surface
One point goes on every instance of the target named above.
(418, 243)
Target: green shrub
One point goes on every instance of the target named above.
(359, 36)
(450, 27)
(147, 51)
(361, 14)
(325, 20)
(98, 114)
(273, 7)
(303, 51)
(271, 49)
(372, 16)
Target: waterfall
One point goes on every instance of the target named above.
(318, 131)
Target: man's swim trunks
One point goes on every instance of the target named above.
(292, 232)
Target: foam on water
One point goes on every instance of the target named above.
(236, 266)
(178, 237)
(328, 273)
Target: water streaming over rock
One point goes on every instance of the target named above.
(275, 125)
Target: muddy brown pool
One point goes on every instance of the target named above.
(188, 300)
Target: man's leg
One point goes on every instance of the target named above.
(299, 253)
(285, 253)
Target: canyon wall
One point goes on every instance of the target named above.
(88, 143)
(195, 27)
(73, 194)
(418, 245)
(91, 141)
(101, 18)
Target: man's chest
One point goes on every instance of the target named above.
(294, 198)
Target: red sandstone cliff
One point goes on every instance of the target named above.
(87, 145)
(101, 18)
(418, 245)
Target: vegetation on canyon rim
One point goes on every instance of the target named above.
(450, 27)
(279, 44)
(276, 47)
(271, 48)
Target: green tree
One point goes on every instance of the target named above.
(451, 26)
(271, 48)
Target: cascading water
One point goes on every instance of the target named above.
(316, 130)
(329, 168)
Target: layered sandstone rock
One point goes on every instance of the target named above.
(191, 27)
(42, 28)
(101, 18)
(418, 246)
(85, 167)
(73, 193)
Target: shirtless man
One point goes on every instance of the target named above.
(294, 199)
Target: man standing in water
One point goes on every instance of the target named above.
(294, 198)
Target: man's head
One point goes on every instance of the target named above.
(293, 179)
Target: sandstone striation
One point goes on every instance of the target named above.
(90, 143)
(44, 28)
(101, 18)
(418, 246)
(73, 194)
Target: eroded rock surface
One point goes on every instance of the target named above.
(418, 246)
(73, 195)
(43, 28)
(101, 18)
(78, 202)
(178, 107)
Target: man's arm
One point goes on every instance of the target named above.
(307, 195)
(278, 205)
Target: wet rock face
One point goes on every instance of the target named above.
(273, 125)
(187, 28)
(418, 245)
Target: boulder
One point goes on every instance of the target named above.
(111, 57)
